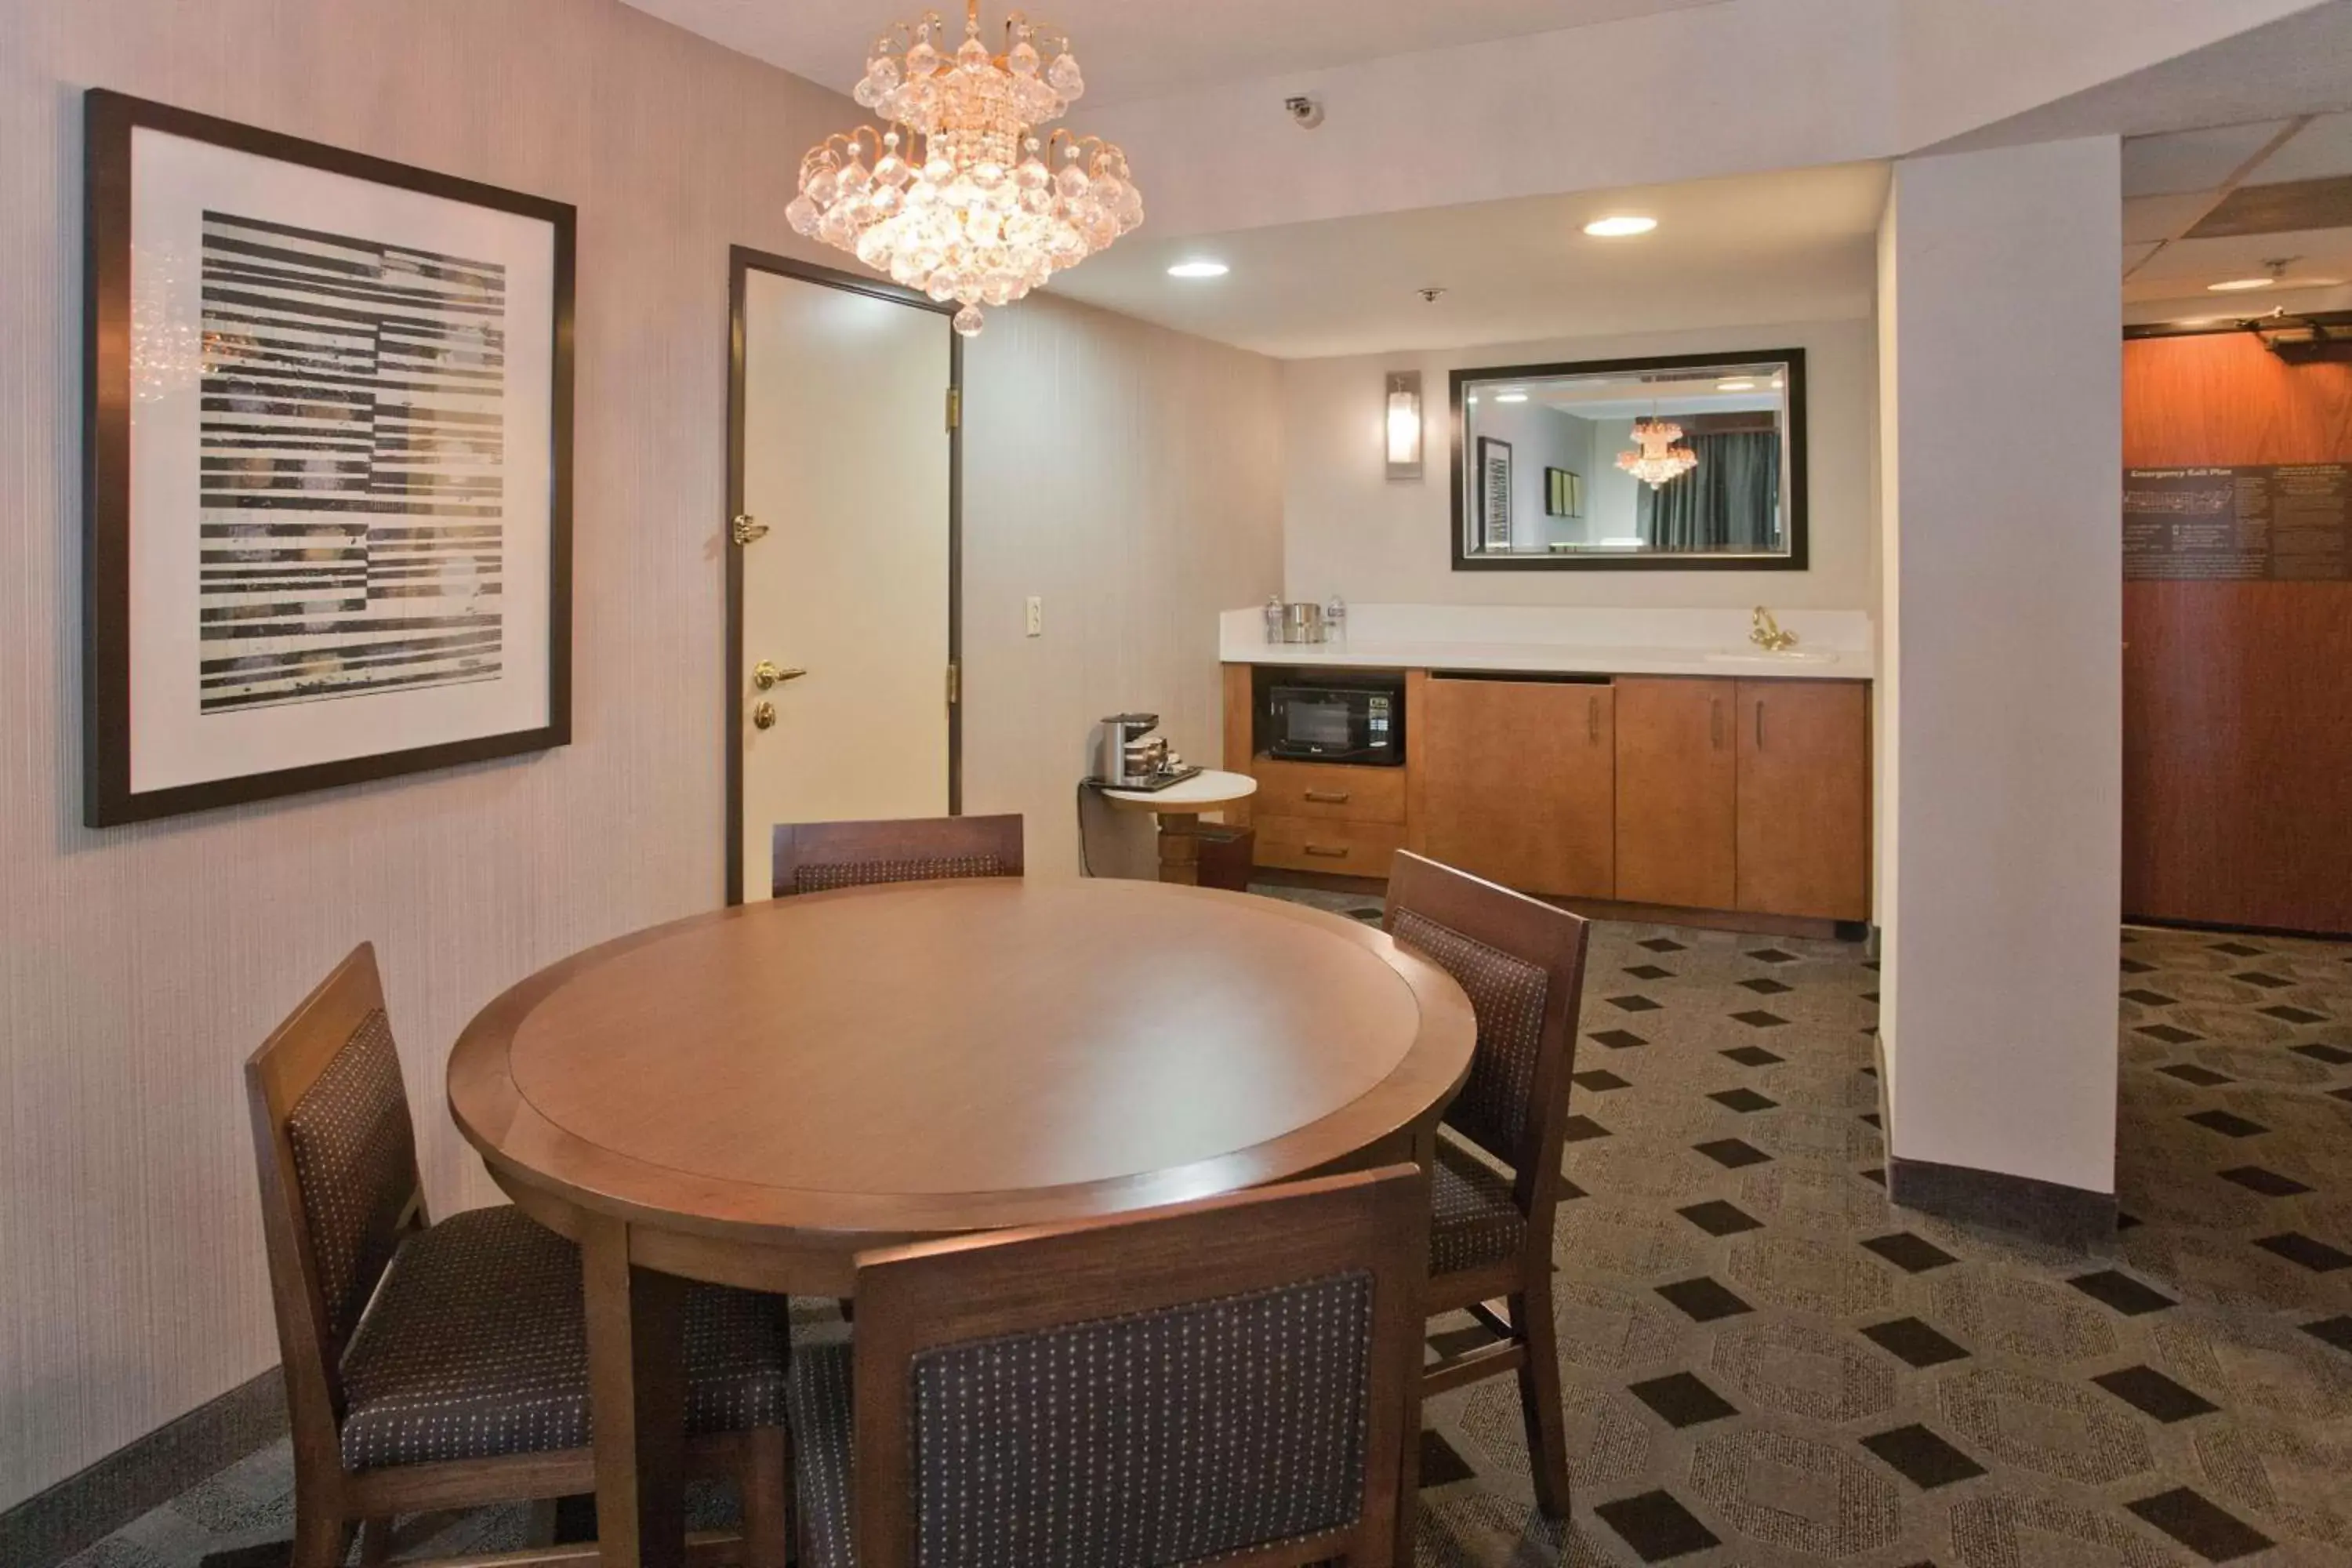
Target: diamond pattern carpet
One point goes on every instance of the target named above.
(1767, 1364)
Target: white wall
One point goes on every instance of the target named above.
(1541, 437)
(1349, 529)
(1130, 477)
(2001, 694)
(139, 966)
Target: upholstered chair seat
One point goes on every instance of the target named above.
(1473, 1221)
(475, 1347)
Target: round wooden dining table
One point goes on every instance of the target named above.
(755, 1096)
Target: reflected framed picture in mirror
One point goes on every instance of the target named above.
(1682, 462)
(1493, 493)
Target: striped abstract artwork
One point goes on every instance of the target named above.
(352, 451)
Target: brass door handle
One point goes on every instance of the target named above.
(765, 674)
(1330, 797)
(763, 717)
(746, 529)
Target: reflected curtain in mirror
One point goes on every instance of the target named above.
(1732, 501)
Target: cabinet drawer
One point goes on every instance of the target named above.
(1343, 849)
(1328, 791)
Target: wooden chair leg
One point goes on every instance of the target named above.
(765, 1482)
(321, 1538)
(375, 1541)
(1540, 1400)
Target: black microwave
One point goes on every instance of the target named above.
(1335, 724)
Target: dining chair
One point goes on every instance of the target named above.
(1233, 1379)
(1522, 963)
(815, 856)
(439, 1366)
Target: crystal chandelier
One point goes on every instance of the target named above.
(958, 197)
(1662, 456)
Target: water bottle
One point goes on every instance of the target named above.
(1335, 620)
(1274, 618)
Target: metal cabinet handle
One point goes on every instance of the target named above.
(1715, 722)
(1326, 852)
(1330, 797)
(1592, 719)
(1759, 723)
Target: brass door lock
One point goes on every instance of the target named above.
(765, 674)
(763, 717)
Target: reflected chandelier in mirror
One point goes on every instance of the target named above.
(1675, 463)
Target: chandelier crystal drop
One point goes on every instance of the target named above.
(959, 196)
(1662, 457)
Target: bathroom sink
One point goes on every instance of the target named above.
(1786, 656)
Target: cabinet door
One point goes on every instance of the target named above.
(1519, 782)
(1677, 765)
(1804, 798)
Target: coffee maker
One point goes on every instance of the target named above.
(1130, 755)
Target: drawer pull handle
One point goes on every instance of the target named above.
(1330, 796)
(1326, 852)
(1592, 719)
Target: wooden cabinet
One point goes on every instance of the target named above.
(1328, 791)
(1341, 848)
(1518, 780)
(1677, 792)
(1804, 799)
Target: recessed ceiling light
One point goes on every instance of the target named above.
(1510, 397)
(1737, 383)
(1620, 226)
(2238, 285)
(1199, 269)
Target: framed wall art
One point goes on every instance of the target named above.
(1495, 493)
(327, 436)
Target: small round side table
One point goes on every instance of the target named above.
(1179, 808)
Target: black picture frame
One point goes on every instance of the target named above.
(1796, 559)
(1494, 496)
(111, 119)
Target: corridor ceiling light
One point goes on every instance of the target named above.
(1737, 383)
(958, 197)
(1510, 397)
(1199, 269)
(1620, 226)
(2240, 285)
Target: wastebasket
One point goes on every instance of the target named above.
(1227, 855)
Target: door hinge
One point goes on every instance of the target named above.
(955, 684)
(745, 531)
(955, 407)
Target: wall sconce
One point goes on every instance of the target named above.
(1404, 425)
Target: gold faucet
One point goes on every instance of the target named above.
(1767, 633)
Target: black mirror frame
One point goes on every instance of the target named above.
(1798, 556)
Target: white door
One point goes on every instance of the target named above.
(846, 598)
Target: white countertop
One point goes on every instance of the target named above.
(1834, 644)
(1204, 791)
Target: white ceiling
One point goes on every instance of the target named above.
(1798, 246)
(1134, 50)
(2172, 182)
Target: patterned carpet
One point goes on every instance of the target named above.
(1769, 1365)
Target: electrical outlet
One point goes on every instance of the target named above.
(1036, 613)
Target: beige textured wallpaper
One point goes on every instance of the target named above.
(1131, 479)
(139, 966)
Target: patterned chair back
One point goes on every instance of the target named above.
(816, 857)
(1522, 963)
(1224, 1377)
(336, 1153)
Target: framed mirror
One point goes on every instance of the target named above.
(1684, 462)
